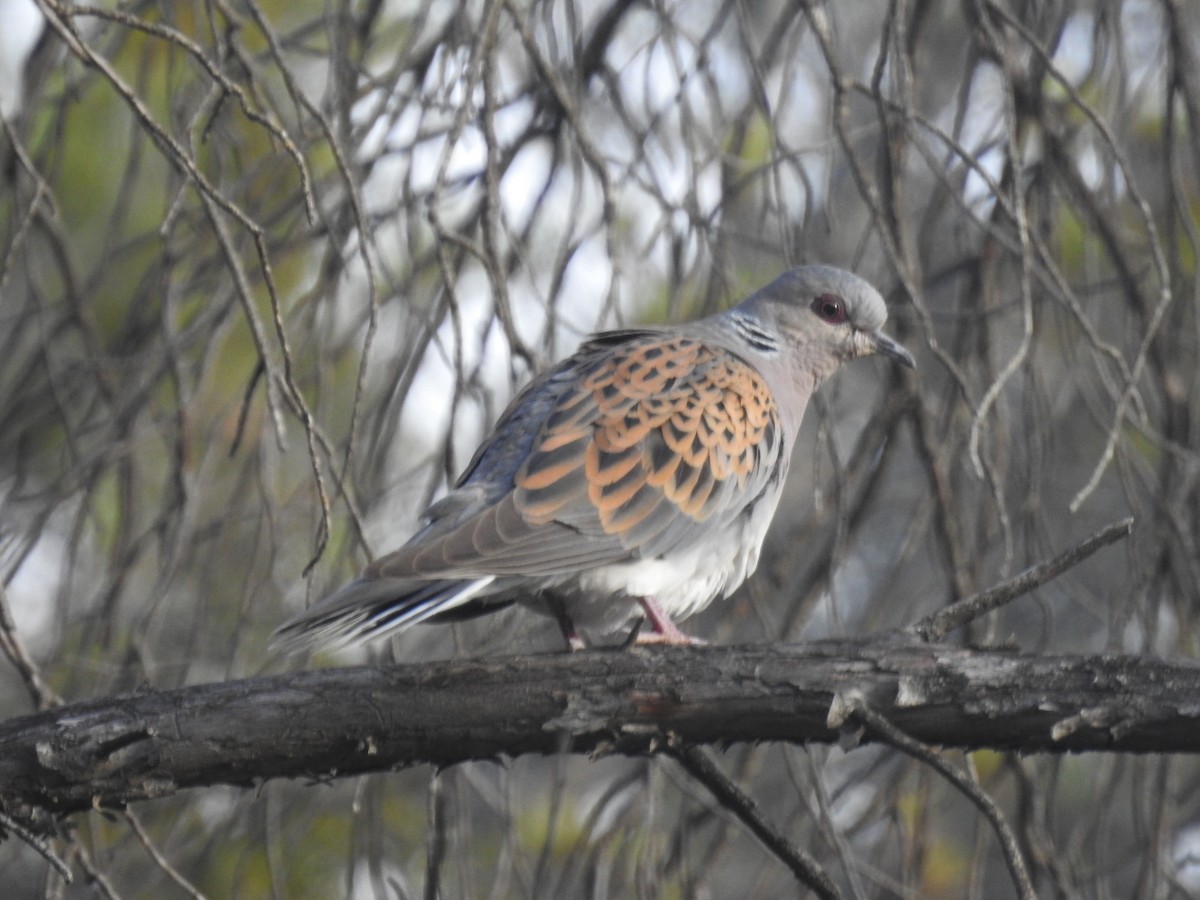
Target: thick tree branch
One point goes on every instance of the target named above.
(334, 722)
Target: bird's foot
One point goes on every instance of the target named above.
(662, 629)
(575, 641)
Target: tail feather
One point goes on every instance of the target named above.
(372, 608)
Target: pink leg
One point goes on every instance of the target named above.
(662, 629)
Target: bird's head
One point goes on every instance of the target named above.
(817, 317)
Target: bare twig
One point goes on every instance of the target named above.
(935, 627)
(886, 731)
(39, 844)
(804, 866)
(227, 84)
(159, 860)
(14, 648)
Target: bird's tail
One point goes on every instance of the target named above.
(372, 608)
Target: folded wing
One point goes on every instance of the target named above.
(634, 446)
(638, 439)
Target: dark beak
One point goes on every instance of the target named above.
(887, 347)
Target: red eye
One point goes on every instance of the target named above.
(830, 308)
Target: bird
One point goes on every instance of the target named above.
(630, 483)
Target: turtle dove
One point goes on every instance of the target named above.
(637, 477)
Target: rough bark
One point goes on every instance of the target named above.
(328, 723)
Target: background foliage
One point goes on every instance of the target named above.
(268, 270)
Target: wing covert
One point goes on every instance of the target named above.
(655, 437)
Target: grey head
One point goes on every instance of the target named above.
(801, 327)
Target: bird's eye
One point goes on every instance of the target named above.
(830, 308)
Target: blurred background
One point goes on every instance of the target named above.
(269, 270)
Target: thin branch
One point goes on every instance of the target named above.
(39, 844)
(889, 733)
(227, 85)
(159, 860)
(697, 763)
(61, 22)
(14, 648)
(935, 627)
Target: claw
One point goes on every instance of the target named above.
(575, 642)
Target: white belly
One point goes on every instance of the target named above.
(683, 583)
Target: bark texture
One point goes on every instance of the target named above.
(329, 723)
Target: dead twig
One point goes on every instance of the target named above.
(935, 627)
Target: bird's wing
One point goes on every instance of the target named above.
(639, 443)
